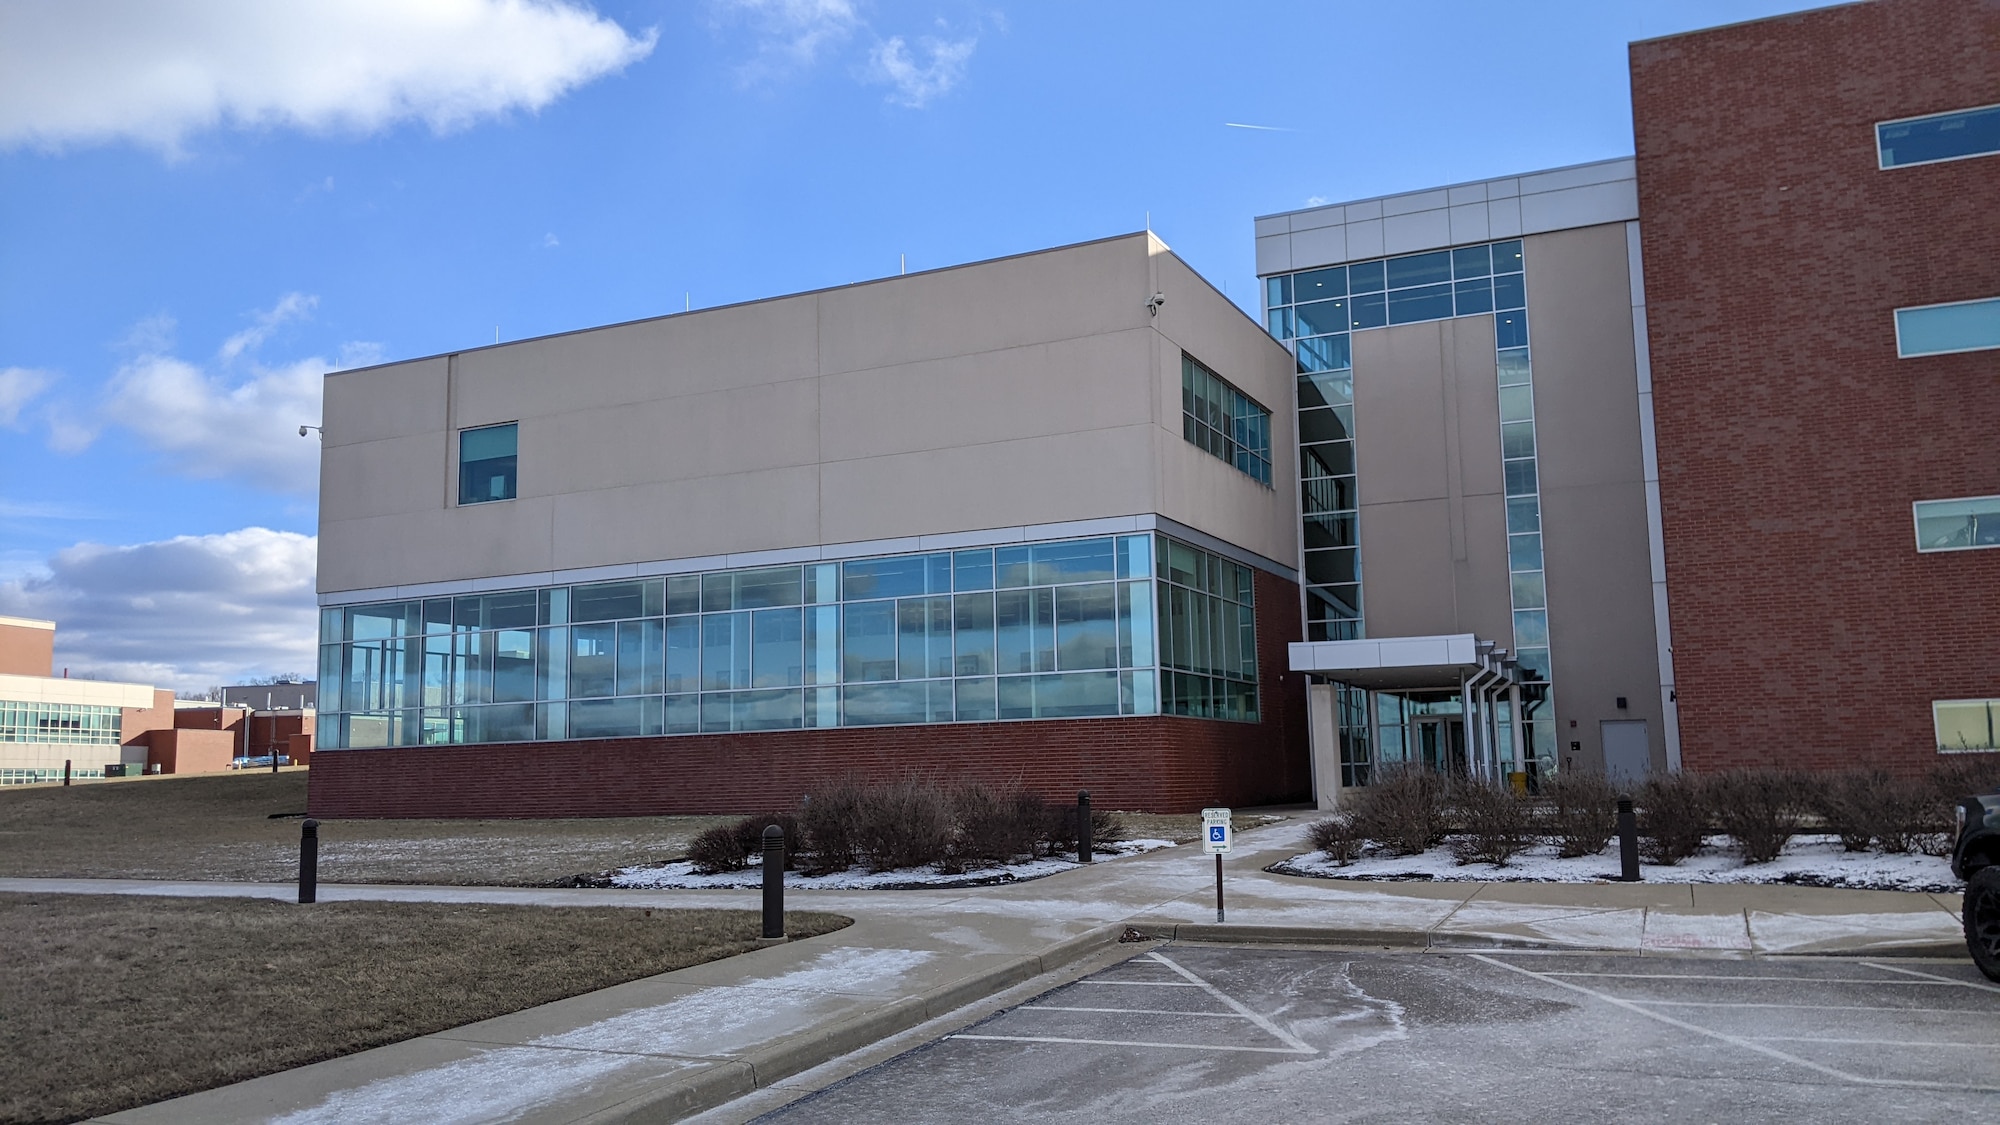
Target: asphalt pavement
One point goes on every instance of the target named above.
(1207, 1032)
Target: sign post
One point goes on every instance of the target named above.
(1215, 839)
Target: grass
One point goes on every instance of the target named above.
(219, 826)
(112, 1002)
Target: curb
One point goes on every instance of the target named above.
(728, 1080)
(1225, 934)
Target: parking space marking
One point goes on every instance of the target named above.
(1809, 1007)
(1869, 1042)
(1128, 1011)
(1141, 1043)
(1638, 1008)
(1297, 1044)
(1980, 985)
(1143, 983)
(1732, 977)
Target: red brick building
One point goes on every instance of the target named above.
(1780, 236)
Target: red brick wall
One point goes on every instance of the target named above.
(1157, 764)
(1806, 628)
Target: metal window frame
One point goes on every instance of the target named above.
(1916, 515)
(1875, 132)
(1897, 317)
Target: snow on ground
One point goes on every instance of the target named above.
(1810, 861)
(682, 875)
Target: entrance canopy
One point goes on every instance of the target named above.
(1406, 663)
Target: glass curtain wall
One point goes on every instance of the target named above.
(1063, 629)
(63, 724)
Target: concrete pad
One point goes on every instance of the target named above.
(1928, 932)
(1683, 929)
(1496, 923)
(1588, 895)
(1726, 897)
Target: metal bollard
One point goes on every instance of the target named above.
(309, 861)
(1628, 842)
(1083, 840)
(66, 762)
(774, 882)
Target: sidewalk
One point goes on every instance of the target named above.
(676, 1044)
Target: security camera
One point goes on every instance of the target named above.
(1153, 305)
(303, 429)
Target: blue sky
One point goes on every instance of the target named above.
(204, 208)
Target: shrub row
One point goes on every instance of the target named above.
(1409, 810)
(909, 822)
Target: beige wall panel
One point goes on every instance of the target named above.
(1199, 490)
(1399, 414)
(1081, 291)
(1409, 584)
(1207, 325)
(379, 478)
(1485, 592)
(764, 342)
(1087, 383)
(1000, 484)
(384, 402)
(687, 518)
(1593, 495)
(479, 541)
(742, 429)
(1475, 405)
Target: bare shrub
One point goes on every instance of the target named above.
(1930, 825)
(750, 835)
(1059, 828)
(1494, 824)
(1337, 837)
(1583, 813)
(993, 825)
(829, 819)
(1673, 817)
(717, 850)
(904, 823)
(1854, 806)
(1403, 809)
(1761, 809)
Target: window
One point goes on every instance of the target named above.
(1225, 421)
(1966, 726)
(1940, 136)
(486, 464)
(1958, 525)
(1960, 326)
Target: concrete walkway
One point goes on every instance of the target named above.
(676, 1044)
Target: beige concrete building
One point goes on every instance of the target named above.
(1480, 537)
(1053, 487)
(52, 724)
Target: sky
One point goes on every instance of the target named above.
(207, 205)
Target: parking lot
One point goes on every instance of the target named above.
(1290, 1034)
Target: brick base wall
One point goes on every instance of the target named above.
(1150, 763)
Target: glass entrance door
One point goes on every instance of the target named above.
(1440, 742)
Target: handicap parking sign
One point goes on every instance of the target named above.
(1216, 837)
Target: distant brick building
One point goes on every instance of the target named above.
(1826, 482)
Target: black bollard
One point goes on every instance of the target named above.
(774, 882)
(1083, 840)
(66, 771)
(309, 861)
(1628, 842)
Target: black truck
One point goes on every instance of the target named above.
(1976, 859)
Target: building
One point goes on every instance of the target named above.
(1818, 195)
(1024, 519)
(280, 696)
(1477, 539)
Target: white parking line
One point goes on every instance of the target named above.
(1729, 977)
(1294, 1041)
(1144, 983)
(1734, 1040)
(1980, 985)
(1869, 1042)
(1808, 1007)
(1128, 1011)
(1138, 1043)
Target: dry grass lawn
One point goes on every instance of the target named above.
(110, 1002)
(219, 826)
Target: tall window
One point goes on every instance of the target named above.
(486, 463)
(1225, 421)
(1940, 136)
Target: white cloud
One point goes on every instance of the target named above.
(18, 386)
(1316, 201)
(184, 613)
(211, 426)
(93, 71)
(292, 306)
(550, 241)
(915, 85)
(791, 34)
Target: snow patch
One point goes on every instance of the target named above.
(1807, 861)
(682, 875)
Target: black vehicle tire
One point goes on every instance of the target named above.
(1982, 920)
